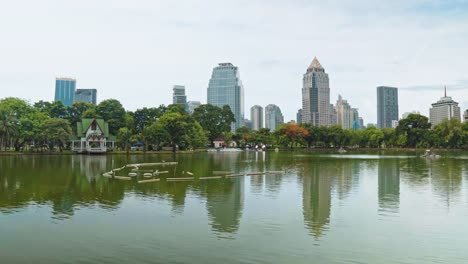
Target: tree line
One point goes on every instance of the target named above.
(50, 125)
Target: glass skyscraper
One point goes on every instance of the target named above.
(273, 117)
(86, 95)
(387, 106)
(65, 90)
(178, 95)
(225, 88)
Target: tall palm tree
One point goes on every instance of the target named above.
(8, 126)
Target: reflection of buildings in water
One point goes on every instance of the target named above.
(316, 197)
(92, 166)
(273, 182)
(256, 183)
(347, 176)
(446, 178)
(389, 183)
(225, 201)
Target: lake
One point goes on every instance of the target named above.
(324, 208)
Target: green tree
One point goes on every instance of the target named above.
(76, 111)
(112, 112)
(146, 117)
(181, 130)
(125, 137)
(214, 120)
(415, 127)
(8, 126)
(57, 132)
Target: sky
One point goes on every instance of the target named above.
(135, 51)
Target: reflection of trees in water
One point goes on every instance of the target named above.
(389, 183)
(320, 178)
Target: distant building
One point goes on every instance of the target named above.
(465, 116)
(355, 119)
(333, 115)
(86, 95)
(361, 122)
(444, 109)
(344, 116)
(299, 117)
(192, 105)
(248, 123)
(387, 106)
(394, 123)
(406, 114)
(256, 115)
(178, 95)
(225, 88)
(273, 117)
(316, 95)
(65, 90)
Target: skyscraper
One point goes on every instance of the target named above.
(333, 115)
(316, 95)
(299, 117)
(355, 119)
(256, 115)
(273, 117)
(445, 108)
(344, 115)
(192, 105)
(65, 90)
(387, 106)
(225, 88)
(86, 95)
(178, 95)
(465, 116)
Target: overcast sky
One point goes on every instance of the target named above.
(135, 51)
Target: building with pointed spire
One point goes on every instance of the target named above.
(444, 109)
(316, 95)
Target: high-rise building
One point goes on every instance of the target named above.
(445, 108)
(344, 115)
(248, 123)
(178, 95)
(333, 115)
(273, 117)
(316, 95)
(355, 119)
(387, 106)
(86, 95)
(361, 123)
(225, 88)
(465, 116)
(192, 105)
(299, 117)
(65, 90)
(256, 115)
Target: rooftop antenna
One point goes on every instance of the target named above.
(445, 91)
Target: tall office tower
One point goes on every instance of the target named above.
(361, 123)
(299, 117)
(273, 117)
(316, 95)
(65, 90)
(387, 106)
(192, 105)
(355, 119)
(465, 116)
(225, 88)
(178, 95)
(256, 115)
(86, 95)
(333, 115)
(248, 123)
(344, 116)
(445, 108)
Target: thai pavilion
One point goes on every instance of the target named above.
(92, 136)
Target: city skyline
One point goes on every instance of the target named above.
(150, 39)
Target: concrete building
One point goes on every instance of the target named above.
(299, 117)
(465, 116)
(273, 117)
(192, 105)
(344, 115)
(225, 88)
(316, 95)
(387, 106)
(256, 116)
(248, 123)
(65, 90)
(333, 115)
(361, 123)
(394, 123)
(178, 95)
(445, 108)
(86, 95)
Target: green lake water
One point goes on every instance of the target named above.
(323, 209)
